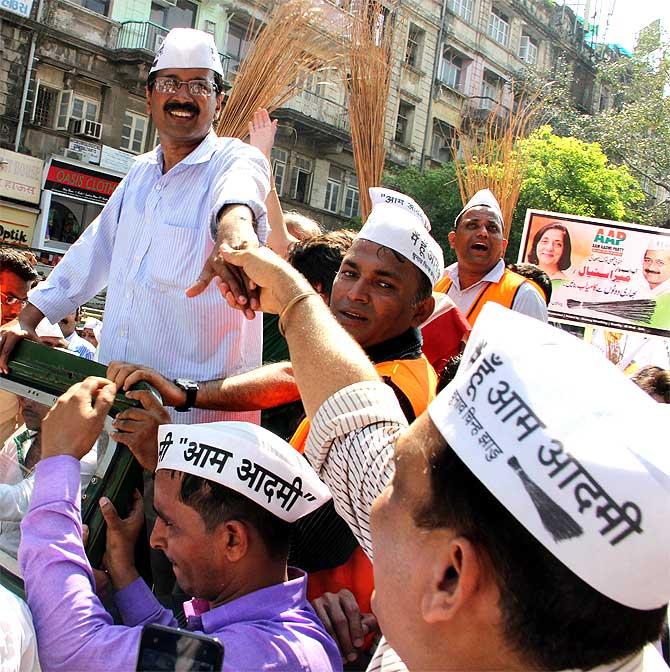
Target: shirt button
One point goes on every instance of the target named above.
(158, 187)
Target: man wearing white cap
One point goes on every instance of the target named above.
(226, 495)
(522, 520)
(479, 274)
(656, 267)
(162, 226)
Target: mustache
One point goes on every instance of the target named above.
(654, 272)
(182, 107)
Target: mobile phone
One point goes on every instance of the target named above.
(163, 648)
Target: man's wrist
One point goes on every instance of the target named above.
(122, 577)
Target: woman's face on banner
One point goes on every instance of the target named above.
(550, 249)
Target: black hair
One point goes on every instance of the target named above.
(655, 381)
(215, 503)
(537, 275)
(218, 81)
(16, 262)
(565, 260)
(448, 372)
(319, 258)
(551, 617)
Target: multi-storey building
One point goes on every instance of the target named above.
(73, 114)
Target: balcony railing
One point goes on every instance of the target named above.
(320, 108)
(149, 36)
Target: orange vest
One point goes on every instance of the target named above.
(417, 380)
(503, 292)
(415, 377)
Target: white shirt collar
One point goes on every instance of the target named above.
(494, 275)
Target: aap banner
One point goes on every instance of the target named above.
(608, 274)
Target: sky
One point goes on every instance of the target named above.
(627, 17)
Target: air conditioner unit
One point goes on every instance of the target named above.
(86, 128)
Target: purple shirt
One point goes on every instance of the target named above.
(271, 629)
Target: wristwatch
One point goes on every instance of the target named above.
(191, 388)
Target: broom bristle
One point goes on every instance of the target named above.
(489, 156)
(284, 51)
(368, 77)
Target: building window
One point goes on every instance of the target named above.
(134, 132)
(334, 189)
(72, 106)
(403, 127)
(462, 7)
(97, 6)
(443, 142)
(528, 50)
(210, 27)
(301, 179)
(45, 106)
(278, 159)
(491, 89)
(498, 27)
(351, 197)
(180, 15)
(414, 50)
(237, 45)
(451, 68)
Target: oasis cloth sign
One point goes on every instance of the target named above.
(78, 182)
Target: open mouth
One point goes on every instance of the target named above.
(354, 317)
(479, 247)
(181, 113)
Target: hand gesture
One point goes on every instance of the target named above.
(278, 280)
(342, 618)
(73, 425)
(126, 375)
(122, 534)
(137, 428)
(262, 132)
(236, 232)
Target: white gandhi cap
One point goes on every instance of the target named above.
(248, 459)
(574, 450)
(398, 223)
(187, 48)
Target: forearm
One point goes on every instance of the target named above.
(30, 317)
(235, 224)
(265, 387)
(279, 238)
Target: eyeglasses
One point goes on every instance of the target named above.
(196, 87)
(11, 300)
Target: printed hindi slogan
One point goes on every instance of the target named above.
(495, 414)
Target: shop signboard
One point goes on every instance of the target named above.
(20, 176)
(79, 182)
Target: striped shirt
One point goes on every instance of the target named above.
(351, 446)
(148, 245)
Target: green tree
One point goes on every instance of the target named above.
(559, 174)
(436, 191)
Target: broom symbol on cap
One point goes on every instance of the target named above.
(558, 522)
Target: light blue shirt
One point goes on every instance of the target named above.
(148, 245)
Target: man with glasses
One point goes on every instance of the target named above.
(16, 278)
(162, 227)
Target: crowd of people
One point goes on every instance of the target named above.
(396, 466)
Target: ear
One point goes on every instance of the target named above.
(451, 237)
(232, 540)
(455, 581)
(147, 93)
(504, 246)
(424, 309)
(219, 105)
